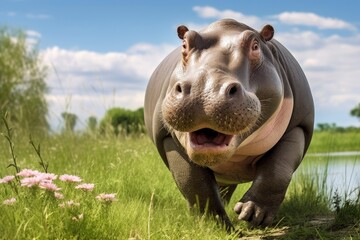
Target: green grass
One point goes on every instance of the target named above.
(329, 141)
(148, 206)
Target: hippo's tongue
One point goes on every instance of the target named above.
(208, 137)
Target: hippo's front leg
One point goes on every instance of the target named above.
(261, 202)
(196, 183)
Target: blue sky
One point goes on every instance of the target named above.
(101, 53)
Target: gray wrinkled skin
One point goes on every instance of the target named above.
(230, 105)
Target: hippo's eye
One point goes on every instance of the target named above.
(254, 52)
(255, 46)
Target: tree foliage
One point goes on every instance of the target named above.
(123, 121)
(70, 120)
(355, 112)
(332, 127)
(92, 123)
(22, 83)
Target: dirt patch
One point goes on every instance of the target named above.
(268, 234)
(319, 227)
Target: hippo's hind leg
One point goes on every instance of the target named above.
(197, 184)
(261, 202)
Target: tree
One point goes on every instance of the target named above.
(92, 123)
(355, 112)
(124, 121)
(70, 120)
(22, 83)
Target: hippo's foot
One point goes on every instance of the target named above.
(257, 212)
(254, 213)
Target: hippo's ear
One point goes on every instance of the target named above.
(267, 32)
(181, 30)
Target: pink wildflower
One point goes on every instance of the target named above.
(10, 201)
(106, 197)
(48, 185)
(28, 173)
(85, 186)
(47, 176)
(30, 181)
(58, 195)
(43, 180)
(7, 179)
(70, 178)
(69, 203)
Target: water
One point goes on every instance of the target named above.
(339, 171)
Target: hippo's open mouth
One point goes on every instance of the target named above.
(209, 138)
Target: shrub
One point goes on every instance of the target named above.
(123, 121)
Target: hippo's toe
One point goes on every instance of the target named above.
(255, 214)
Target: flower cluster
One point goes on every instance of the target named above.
(34, 179)
(70, 178)
(110, 197)
(7, 179)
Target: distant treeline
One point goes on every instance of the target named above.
(331, 127)
(118, 121)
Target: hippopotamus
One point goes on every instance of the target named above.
(230, 105)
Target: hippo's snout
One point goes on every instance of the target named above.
(226, 108)
(229, 90)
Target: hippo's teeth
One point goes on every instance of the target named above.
(209, 138)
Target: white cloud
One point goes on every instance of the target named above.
(311, 19)
(211, 12)
(87, 83)
(297, 39)
(138, 62)
(32, 38)
(331, 66)
(290, 18)
(91, 103)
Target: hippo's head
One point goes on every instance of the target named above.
(223, 90)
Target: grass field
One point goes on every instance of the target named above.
(335, 142)
(148, 205)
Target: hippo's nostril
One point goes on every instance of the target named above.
(232, 89)
(178, 88)
(182, 88)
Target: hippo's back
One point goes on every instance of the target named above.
(155, 93)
